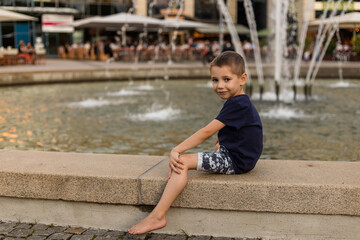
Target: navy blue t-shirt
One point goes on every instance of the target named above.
(242, 136)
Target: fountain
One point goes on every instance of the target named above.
(149, 118)
(320, 39)
(335, 28)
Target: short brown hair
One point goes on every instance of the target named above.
(232, 59)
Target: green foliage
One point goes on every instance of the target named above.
(263, 42)
(308, 42)
(332, 46)
(356, 43)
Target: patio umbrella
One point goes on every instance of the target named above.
(9, 16)
(213, 28)
(88, 22)
(117, 21)
(183, 24)
(349, 20)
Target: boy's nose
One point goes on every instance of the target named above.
(220, 84)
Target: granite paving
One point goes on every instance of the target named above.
(35, 231)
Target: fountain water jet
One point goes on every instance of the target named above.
(235, 38)
(300, 49)
(254, 38)
(320, 38)
(322, 53)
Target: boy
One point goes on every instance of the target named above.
(237, 148)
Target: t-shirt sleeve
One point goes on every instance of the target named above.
(233, 114)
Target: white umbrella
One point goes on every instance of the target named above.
(116, 21)
(132, 20)
(213, 28)
(349, 20)
(87, 22)
(9, 16)
(183, 24)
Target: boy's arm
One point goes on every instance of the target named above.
(192, 141)
(216, 144)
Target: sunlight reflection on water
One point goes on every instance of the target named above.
(152, 117)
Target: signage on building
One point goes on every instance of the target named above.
(57, 23)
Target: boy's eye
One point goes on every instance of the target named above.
(227, 79)
(214, 80)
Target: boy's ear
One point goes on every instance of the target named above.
(243, 79)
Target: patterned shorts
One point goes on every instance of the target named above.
(216, 162)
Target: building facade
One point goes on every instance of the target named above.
(200, 10)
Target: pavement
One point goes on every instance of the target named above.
(54, 64)
(36, 231)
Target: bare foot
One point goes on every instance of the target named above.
(148, 224)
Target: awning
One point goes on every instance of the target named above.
(9, 16)
(42, 9)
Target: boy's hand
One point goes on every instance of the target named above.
(175, 164)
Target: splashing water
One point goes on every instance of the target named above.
(285, 96)
(146, 87)
(284, 113)
(165, 114)
(92, 103)
(124, 92)
(343, 84)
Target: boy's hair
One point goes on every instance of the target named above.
(231, 59)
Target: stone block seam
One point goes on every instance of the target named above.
(142, 175)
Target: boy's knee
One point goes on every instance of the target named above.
(184, 159)
(189, 160)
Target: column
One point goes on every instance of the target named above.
(189, 7)
(141, 8)
(233, 8)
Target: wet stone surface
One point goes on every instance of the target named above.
(29, 231)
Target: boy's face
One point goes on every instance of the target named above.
(225, 83)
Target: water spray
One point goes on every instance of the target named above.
(250, 16)
(278, 51)
(234, 37)
(300, 49)
(167, 12)
(330, 36)
(320, 39)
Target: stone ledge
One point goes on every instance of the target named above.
(101, 178)
(279, 186)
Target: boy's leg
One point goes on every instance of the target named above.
(176, 183)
